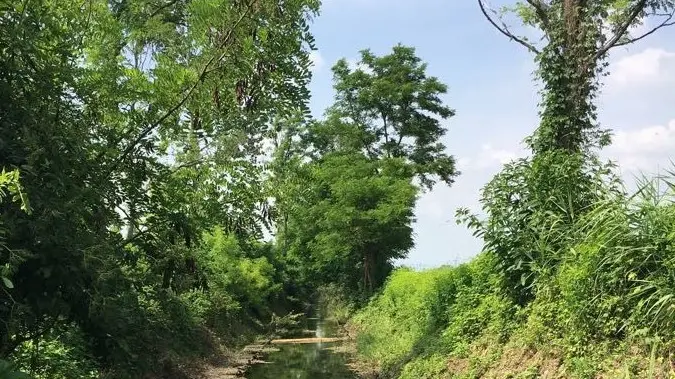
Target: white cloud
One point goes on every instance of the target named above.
(489, 157)
(648, 139)
(643, 148)
(501, 156)
(317, 60)
(463, 163)
(650, 66)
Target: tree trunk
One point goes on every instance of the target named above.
(569, 69)
(368, 273)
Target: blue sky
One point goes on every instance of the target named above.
(491, 88)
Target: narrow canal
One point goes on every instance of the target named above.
(306, 360)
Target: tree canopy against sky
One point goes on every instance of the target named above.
(392, 109)
(386, 121)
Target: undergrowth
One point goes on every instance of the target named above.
(606, 308)
(166, 332)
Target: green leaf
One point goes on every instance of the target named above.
(8, 283)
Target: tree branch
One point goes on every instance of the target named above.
(505, 31)
(621, 31)
(136, 236)
(147, 130)
(187, 165)
(665, 23)
(541, 10)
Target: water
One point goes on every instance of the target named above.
(305, 361)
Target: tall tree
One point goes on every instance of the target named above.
(355, 169)
(388, 107)
(353, 219)
(533, 201)
(578, 35)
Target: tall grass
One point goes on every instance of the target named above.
(611, 286)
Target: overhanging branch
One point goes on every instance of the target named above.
(203, 73)
(621, 31)
(667, 22)
(505, 30)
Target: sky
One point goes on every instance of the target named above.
(492, 90)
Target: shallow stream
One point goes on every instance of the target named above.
(305, 360)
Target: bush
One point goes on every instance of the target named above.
(396, 321)
(333, 303)
(419, 315)
(429, 367)
(607, 297)
(60, 354)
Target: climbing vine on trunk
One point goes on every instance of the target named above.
(532, 203)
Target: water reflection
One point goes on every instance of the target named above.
(305, 361)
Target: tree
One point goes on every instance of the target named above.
(578, 34)
(388, 107)
(353, 219)
(533, 202)
(355, 169)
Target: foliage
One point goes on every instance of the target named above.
(420, 316)
(8, 371)
(231, 270)
(335, 304)
(604, 301)
(408, 309)
(433, 366)
(60, 354)
(136, 126)
(354, 171)
(10, 184)
(387, 107)
(576, 264)
(362, 211)
(531, 205)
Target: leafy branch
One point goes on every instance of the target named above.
(202, 75)
(542, 12)
(621, 30)
(665, 23)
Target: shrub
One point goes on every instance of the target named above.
(395, 322)
(60, 354)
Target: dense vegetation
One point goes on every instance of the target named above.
(605, 309)
(132, 131)
(149, 146)
(576, 275)
(138, 186)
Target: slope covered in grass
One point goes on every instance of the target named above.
(605, 309)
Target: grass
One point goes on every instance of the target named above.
(606, 309)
